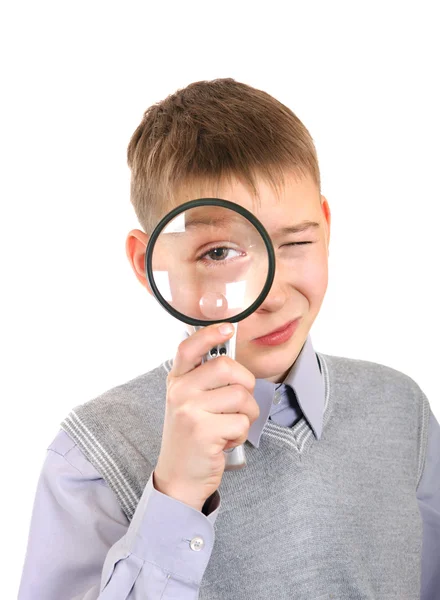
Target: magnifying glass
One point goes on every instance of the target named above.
(208, 261)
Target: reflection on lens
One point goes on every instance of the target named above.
(213, 305)
(210, 263)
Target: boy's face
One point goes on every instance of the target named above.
(301, 274)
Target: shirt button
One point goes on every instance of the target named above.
(277, 398)
(197, 544)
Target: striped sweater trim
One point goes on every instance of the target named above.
(423, 438)
(301, 434)
(108, 468)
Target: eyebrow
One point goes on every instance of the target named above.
(298, 228)
(213, 222)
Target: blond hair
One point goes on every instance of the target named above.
(208, 132)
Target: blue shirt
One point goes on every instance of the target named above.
(82, 547)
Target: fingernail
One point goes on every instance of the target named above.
(226, 328)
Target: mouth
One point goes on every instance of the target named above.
(280, 335)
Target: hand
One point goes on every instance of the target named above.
(209, 408)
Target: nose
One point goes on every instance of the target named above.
(276, 298)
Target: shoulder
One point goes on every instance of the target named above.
(147, 387)
(358, 373)
(65, 455)
(121, 420)
(373, 388)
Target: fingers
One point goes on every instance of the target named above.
(237, 400)
(191, 351)
(219, 372)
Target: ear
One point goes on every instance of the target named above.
(135, 248)
(327, 215)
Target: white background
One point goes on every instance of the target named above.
(76, 78)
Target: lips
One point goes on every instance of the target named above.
(279, 330)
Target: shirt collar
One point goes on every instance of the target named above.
(305, 378)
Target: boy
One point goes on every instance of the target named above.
(342, 482)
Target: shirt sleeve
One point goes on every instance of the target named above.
(81, 545)
(428, 496)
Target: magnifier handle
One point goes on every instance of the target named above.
(235, 457)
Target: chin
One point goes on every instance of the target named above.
(265, 371)
(266, 362)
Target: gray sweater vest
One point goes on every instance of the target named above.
(306, 519)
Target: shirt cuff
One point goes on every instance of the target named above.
(173, 535)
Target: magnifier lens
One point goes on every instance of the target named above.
(210, 263)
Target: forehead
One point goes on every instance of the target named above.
(297, 200)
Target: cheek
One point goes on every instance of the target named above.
(310, 276)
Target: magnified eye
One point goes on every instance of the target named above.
(220, 254)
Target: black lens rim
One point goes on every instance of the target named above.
(224, 204)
